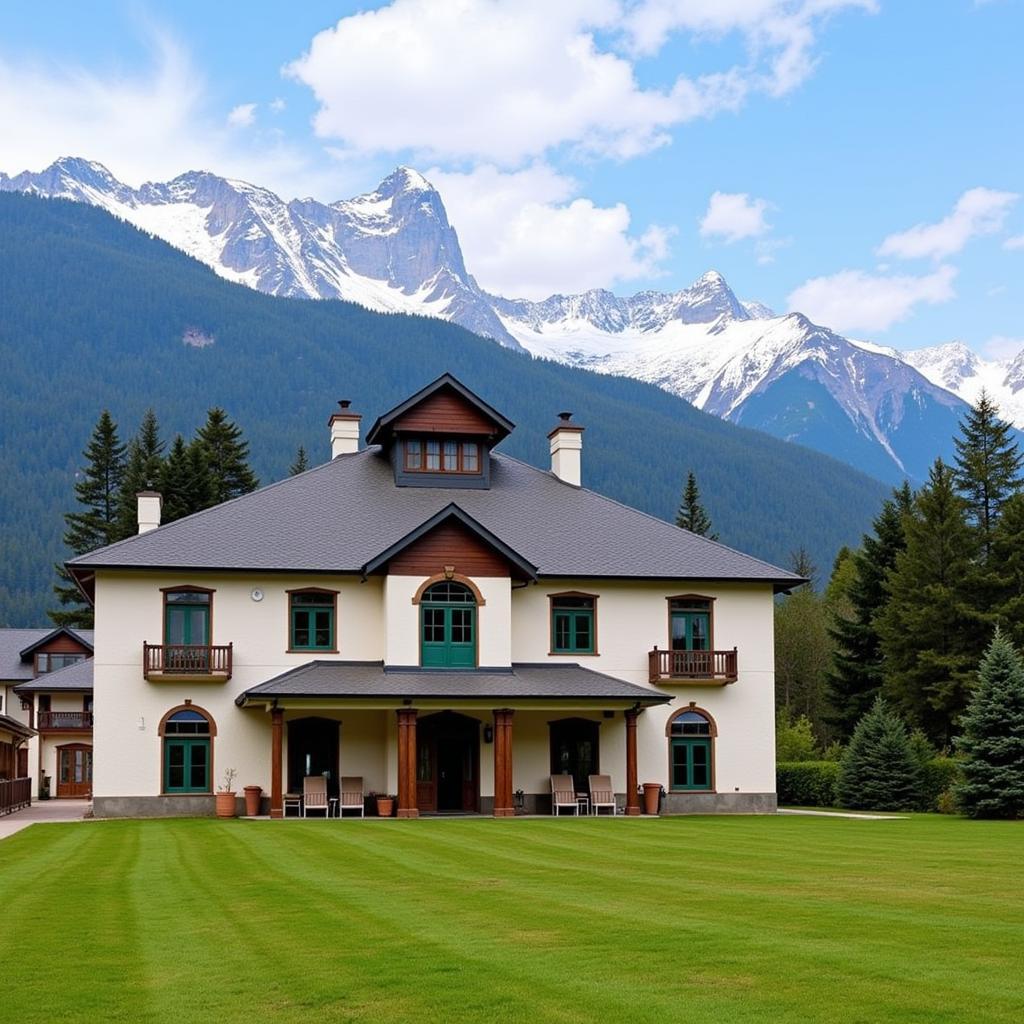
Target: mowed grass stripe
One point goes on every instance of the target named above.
(729, 919)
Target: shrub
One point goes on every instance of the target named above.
(794, 738)
(879, 770)
(807, 783)
(939, 775)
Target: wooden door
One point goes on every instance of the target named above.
(74, 770)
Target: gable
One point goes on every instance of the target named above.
(444, 412)
(449, 544)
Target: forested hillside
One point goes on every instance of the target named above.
(96, 315)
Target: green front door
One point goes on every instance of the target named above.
(448, 636)
(691, 764)
(186, 765)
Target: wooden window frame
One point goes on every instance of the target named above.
(460, 442)
(712, 739)
(552, 652)
(332, 595)
(185, 589)
(77, 655)
(211, 736)
(692, 597)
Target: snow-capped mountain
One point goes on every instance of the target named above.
(392, 250)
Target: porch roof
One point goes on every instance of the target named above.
(524, 681)
(16, 728)
(76, 677)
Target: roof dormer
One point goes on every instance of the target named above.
(441, 437)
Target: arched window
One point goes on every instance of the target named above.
(691, 734)
(448, 626)
(187, 734)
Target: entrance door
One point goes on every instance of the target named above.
(74, 770)
(574, 750)
(448, 626)
(448, 763)
(313, 750)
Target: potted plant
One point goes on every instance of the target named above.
(385, 804)
(252, 800)
(226, 795)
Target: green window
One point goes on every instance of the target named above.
(690, 751)
(448, 626)
(312, 622)
(691, 624)
(572, 625)
(187, 753)
(187, 618)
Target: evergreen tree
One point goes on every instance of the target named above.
(1006, 569)
(992, 741)
(142, 472)
(227, 457)
(878, 770)
(692, 515)
(301, 463)
(96, 524)
(931, 630)
(854, 679)
(185, 481)
(988, 466)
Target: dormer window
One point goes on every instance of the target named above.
(431, 455)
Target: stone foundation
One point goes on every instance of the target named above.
(718, 803)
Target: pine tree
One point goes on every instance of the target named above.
(988, 465)
(1006, 569)
(96, 524)
(878, 770)
(692, 515)
(854, 679)
(301, 463)
(992, 740)
(142, 472)
(227, 455)
(931, 631)
(185, 481)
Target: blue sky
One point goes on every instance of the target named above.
(859, 160)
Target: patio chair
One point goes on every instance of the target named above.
(563, 794)
(314, 795)
(351, 795)
(601, 793)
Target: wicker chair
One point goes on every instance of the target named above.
(314, 795)
(601, 794)
(563, 794)
(351, 795)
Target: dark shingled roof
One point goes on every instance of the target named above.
(16, 727)
(13, 642)
(369, 679)
(338, 517)
(77, 677)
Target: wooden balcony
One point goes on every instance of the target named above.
(707, 668)
(177, 662)
(64, 721)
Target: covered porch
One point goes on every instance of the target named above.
(456, 742)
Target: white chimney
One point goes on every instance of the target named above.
(566, 450)
(149, 507)
(344, 430)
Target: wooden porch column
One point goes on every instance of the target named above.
(632, 797)
(503, 807)
(407, 805)
(276, 736)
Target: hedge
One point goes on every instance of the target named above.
(938, 776)
(807, 783)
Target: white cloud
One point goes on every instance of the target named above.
(854, 300)
(733, 216)
(1014, 242)
(504, 81)
(1001, 346)
(242, 116)
(527, 234)
(277, 105)
(979, 211)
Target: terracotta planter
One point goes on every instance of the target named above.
(252, 800)
(226, 805)
(385, 806)
(652, 793)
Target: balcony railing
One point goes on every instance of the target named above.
(714, 668)
(14, 794)
(64, 721)
(174, 661)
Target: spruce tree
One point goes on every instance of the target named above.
(142, 472)
(988, 465)
(692, 515)
(227, 457)
(854, 678)
(185, 481)
(931, 631)
(95, 525)
(992, 740)
(1006, 569)
(878, 770)
(301, 463)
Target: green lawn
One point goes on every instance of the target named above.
(687, 919)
